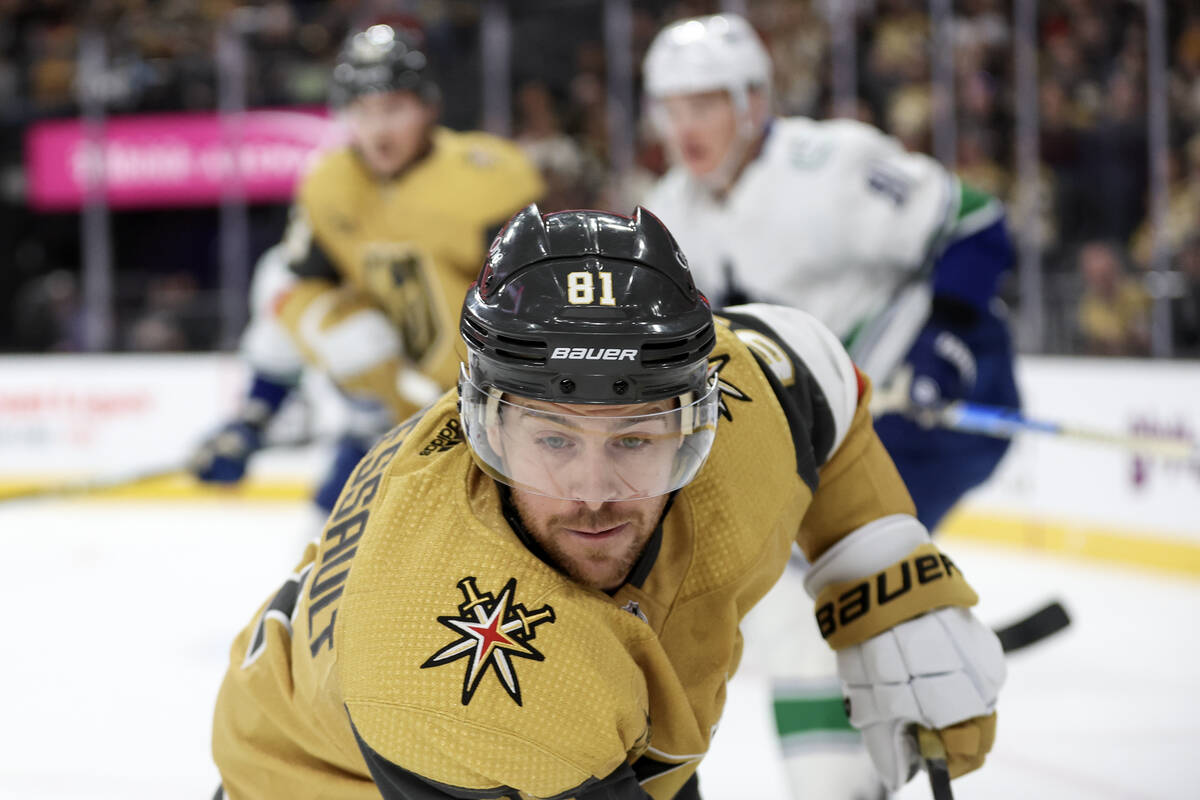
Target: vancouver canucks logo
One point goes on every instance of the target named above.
(724, 387)
(493, 631)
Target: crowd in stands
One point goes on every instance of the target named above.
(1092, 220)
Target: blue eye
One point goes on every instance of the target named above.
(632, 442)
(554, 442)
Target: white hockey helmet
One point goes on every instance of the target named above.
(703, 54)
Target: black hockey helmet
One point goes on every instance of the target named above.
(382, 58)
(587, 308)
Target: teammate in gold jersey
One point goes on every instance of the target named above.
(387, 233)
(533, 590)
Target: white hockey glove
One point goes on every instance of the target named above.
(908, 650)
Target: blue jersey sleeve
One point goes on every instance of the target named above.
(977, 253)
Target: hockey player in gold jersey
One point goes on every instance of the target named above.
(533, 590)
(386, 234)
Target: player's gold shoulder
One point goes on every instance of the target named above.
(335, 177)
(418, 442)
(501, 177)
(483, 151)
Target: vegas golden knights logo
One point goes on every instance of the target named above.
(399, 275)
(725, 389)
(493, 630)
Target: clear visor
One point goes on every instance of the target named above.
(589, 453)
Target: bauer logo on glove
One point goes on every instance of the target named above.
(909, 652)
(925, 578)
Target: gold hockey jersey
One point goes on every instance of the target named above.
(422, 637)
(408, 246)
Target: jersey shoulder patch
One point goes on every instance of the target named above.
(807, 367)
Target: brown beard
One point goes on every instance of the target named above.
(607, 516)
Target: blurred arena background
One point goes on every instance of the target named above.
(1083, 115)
(148, 152)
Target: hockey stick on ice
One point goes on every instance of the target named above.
(1005, 423)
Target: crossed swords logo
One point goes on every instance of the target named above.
(724, 388)
(493, 630)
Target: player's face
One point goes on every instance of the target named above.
(390, 129)
(591, 451)
(700, 128)
(597, 544)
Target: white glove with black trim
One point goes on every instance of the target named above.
(940, 670)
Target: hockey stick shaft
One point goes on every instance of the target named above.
(934, 754)
(1005, 423)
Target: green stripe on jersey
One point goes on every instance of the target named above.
(976, 211)
(810, 715)
(971, 199)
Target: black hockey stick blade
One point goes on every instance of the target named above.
(935, 763)
(1042, 623)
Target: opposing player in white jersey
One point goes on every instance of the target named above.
(895, 254)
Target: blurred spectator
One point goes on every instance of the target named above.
(1185, 80)
(47, 315)
(897, 68)
(909, 114)
(1112, 316)
(1186, 307)
(982, 24)
(52, 75)
(1114, 183)
(572, 178)
(587, 99)
(1091, 100)
(1183, 207)
(977, 164)
(797, 38)
(175, 318)
(155, 333)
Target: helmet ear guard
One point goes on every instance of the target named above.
(579, 309)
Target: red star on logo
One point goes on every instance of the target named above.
(493, 629)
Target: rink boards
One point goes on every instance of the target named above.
(68, 417)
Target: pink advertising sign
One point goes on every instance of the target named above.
(175, 159)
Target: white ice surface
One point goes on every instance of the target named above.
(118, 618)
